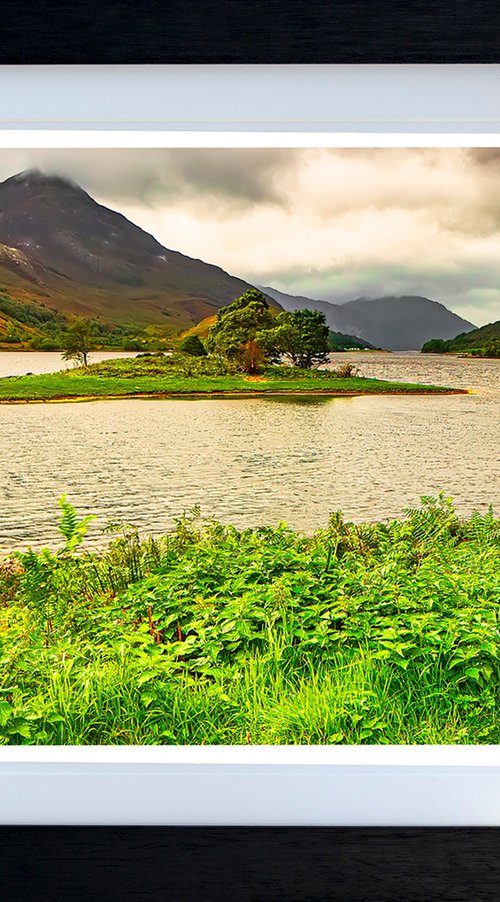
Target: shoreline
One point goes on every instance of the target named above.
(215, 395)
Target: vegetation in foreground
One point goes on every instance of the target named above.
(483, 342)
(371, 633)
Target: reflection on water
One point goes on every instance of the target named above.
(253, 461)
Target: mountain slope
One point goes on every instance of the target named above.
(396, 323)
(483, 342)
(339, 341)
(60, 247)
(25, 320)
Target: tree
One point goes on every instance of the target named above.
(193, 346)
(79, 340)
(301, 337)
(492, 348)
(434, 346)
(238, 333)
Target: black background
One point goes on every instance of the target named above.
(250, 31)
(249, 865)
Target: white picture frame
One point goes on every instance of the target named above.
(258, 106)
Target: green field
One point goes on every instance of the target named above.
(381, 633)
(183, 376)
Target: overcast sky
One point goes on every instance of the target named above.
(331, 224)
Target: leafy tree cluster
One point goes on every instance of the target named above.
(300, 337)
(239, 329)
(251, 334)
(29, 314)
(26, 316)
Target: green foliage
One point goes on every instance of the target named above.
(79, 341)
(435, 346)
(247, 331)
(30, 314)
(193, 346)
(339, 342)
(39, 343)
(482, 342)
(72, 528)
(237, 331)
(43, 579)
(300, 337)
(361, 633)
(41, 328)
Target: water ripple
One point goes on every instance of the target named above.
(253, 461)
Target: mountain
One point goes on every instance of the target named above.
(61, 249)
(396, 323)
(483, 342)
(62, 253)
(340, 342)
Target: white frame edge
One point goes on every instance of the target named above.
(178, 106)
(248, 786)
(300, 98)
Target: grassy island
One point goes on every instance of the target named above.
(368, 633)
(179, 375)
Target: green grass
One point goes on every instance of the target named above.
(181, 375)
(371, 633)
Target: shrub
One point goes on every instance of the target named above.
(345, 371)
(193, 346)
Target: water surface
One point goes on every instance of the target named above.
(252, 461)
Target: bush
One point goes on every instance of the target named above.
(345, 371)
(193, 346)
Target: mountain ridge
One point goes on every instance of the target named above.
(63, 251)
(79, 255)
(394, 322)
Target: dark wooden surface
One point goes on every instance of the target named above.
(254, 31)
(205, 864)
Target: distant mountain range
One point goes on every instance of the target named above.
(396, 323)
(62, 253)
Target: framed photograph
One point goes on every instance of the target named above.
(249, 396)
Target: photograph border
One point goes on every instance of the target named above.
(438, 786)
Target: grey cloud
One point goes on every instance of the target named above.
(151, 176)
(485, 156)
(328, 223)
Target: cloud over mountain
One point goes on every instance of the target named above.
(327, 223)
